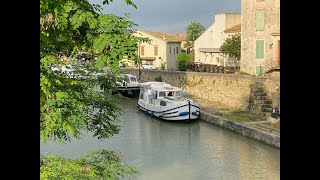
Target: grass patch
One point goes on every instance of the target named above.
(275, 125)
(243, 116)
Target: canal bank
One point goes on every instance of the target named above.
(177, 150)
(243, 129)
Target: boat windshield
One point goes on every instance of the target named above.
(170, 93)
(177, 93)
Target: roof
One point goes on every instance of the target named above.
(233, 29)
(168, 37)
(214, 50)
(160, 86)
(148, 58)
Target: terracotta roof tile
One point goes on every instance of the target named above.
(168, 37)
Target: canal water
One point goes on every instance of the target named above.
(164, 150)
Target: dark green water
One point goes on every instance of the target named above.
(171, 150)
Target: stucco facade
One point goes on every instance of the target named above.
(206, 47)
(260, 36)
(162, 43)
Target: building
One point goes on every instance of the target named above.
(260, 36)
(206, 46)
(162, 50)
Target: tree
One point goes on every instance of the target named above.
(68, 103)
(182, 61)
(232, 46)
(191, 57)
(194, 30)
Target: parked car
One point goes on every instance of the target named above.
(148, 66)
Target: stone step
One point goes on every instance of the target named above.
(261, 97)
(262, 102)
(257, 90)
(266, 109)
(260, 94)
(266, 106)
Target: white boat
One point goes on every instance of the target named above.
(167, 102)
(128, 85)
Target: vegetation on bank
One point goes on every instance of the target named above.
(68, 102)
(243, 116)
(232, 46)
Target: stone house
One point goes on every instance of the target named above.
(163, 49)
(260, 36)
(206, 46)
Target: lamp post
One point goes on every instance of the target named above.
(139, 61)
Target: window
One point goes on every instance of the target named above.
(260, 20)
(259, 49)
(142, 50)
(177, 93)
(170, 93)
(259, 70)
(163, 103)
(217, 58)
(170, 49)
(177, 50)
(155, 50)
(162, 94)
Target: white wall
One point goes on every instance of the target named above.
(172, 57)
(214, 37)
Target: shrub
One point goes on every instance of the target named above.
(158, 78)
(163, 66)
(182, 61)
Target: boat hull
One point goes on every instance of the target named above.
(131, 92)
(186, 111)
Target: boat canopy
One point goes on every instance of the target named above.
(160, 86)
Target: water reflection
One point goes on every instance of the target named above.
(174, 150)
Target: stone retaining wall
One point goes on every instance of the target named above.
(230, 90)
(244, 130)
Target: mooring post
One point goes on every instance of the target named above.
(189, 109)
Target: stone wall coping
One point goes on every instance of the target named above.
(207, 74)
(223, 122)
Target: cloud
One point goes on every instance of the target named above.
(171, 16)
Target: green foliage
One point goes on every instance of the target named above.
(191, 57)
(232, 46)
(158, 78)
(68, 104)
(162, 66)
(194, 30)
(101, 164)
(243, 73)
(182, 61)
(68, 101)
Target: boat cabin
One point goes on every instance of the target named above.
(161, 94)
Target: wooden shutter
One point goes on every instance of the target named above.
(260, 19)
(156, 50)
(259, 69)
(142, 50)
(259, 49)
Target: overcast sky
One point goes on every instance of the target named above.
(171, 16)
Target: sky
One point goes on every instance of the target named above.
(171, 16)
